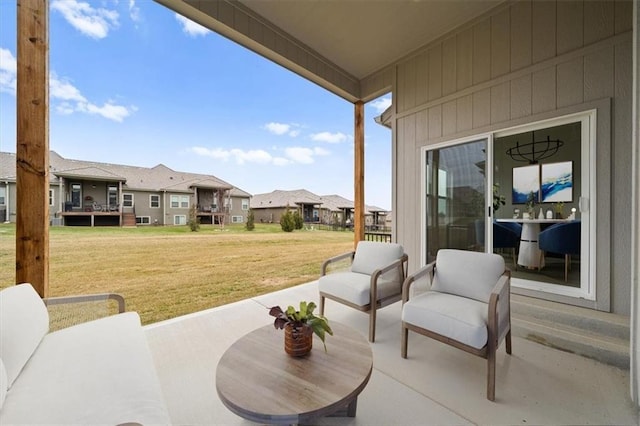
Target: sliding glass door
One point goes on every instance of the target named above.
(525, 194)
(455, 197)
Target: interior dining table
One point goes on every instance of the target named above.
(529, 254)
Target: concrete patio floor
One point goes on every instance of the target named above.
(435, 385)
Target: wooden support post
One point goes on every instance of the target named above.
(358, 225)
(32, 151)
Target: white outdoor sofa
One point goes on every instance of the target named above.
(97, 372)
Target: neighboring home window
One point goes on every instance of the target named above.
(76, 195)
(3, 196)
(237, 219)
(227, 203)
(245, 204)
(143, 220)
(51, 198)
(127, 200)
(179, 219)
(179, 201)
(154, 201)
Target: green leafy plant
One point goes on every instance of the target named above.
(194, 221)
(302, 319)
(498, 200)
(298, 223)
(287, 222)
(531, 203)
(250, 226)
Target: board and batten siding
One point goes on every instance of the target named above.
(524, 62)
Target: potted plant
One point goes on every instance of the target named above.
(299, 326)
(531, 205)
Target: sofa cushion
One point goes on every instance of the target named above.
(99, 372)
(467, 273)
(24, 321)
(459, 318)
(355, 287)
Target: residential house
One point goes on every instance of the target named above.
(325, 209)
(84, 193)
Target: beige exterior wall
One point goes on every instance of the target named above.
(525, 62)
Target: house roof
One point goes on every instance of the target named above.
(347, 47)
(281, 198)
(157, 178)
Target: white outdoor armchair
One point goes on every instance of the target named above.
(374, 279)
(467, 305)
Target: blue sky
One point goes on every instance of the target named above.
(133, 83)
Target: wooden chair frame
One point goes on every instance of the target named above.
(373, 293)
(502, 290)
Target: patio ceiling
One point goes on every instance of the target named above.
(336, 44)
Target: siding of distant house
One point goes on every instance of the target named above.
(524, 62)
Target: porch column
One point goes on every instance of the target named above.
(358, 204)
(32, 151)
(635, 214)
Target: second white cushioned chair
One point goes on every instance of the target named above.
(467, 306)
(374, 279)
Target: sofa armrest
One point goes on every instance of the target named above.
(338, 258)
(66, 311)
(425, 270)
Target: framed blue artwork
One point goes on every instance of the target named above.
(525, 181)
(557, 182)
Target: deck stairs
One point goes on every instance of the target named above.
(593, 334)
(128, 219)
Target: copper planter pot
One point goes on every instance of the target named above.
(298, 340)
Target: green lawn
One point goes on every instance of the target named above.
(164, 272)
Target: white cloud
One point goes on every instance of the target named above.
(328, 137)
(134, 11)
(108, 110)
(94, 23)
(8, 72)
(191, 28)
(293, 155)
(74, 101)
(381, 104)
(62, 89)
(277, 128)
(282, 129)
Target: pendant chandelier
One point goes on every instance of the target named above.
(534, 151)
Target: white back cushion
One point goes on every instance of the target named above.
(467, 273)
(372, 255)
(24, 321)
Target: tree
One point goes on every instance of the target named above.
(193, 222)
(287, 222)
(250, 226)
(297, 220)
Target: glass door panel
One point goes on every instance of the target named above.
(540, 176)
(455, 198)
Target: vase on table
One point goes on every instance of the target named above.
(298, 340)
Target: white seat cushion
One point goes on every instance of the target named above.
(372, 255)
(459, 318)
(467, 273)
(355, 287)
(99, 372)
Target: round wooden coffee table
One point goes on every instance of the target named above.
(257, 380)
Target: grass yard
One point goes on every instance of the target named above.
(164, 272)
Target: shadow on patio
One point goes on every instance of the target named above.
(437, 384)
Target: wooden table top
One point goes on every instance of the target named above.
(257, 380)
